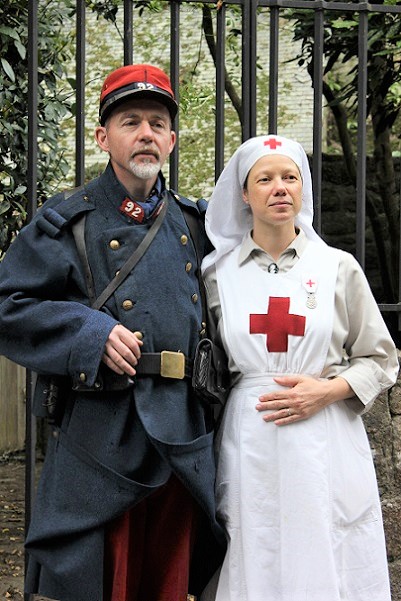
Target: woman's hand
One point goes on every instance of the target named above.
(303, 397)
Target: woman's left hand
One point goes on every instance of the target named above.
(302, 397)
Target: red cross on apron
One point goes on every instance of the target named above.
(272, 143)
(277, 324)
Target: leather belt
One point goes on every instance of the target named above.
(168, 364)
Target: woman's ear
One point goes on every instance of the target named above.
(245, 196)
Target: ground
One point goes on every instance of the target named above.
(12, 485)
(12, 525)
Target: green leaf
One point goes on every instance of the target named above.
(344, 24)
(8, 69)
(21, 49)
(4, 206)
(20, 190)
(11, 33)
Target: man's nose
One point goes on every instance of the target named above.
(145, 131)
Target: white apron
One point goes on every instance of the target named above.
(299, 502)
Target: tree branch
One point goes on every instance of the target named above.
(207, 25)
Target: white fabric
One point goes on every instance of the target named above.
(361, 348)
(299, 502)
(228, 218)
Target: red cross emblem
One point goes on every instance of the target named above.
(277, 324)
(272, 143)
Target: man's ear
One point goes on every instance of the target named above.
(172, 140)
(101, 138)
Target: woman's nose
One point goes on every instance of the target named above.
(279, 188)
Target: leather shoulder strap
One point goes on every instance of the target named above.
(78, 231)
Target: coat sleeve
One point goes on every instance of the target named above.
(45, 322)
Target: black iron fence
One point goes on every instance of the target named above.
(250, 30)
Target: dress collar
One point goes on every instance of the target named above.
(248, 246)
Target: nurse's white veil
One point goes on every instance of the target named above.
(228, 218)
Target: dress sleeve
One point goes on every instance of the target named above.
(361, 350)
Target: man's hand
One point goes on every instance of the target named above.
(122, 351)
(303, 397)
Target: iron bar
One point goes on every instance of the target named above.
(30, 423)
(273, 69)
(252, 67)
(361, 142)
(318, 49)
(246, 76)
(321, 4)
(175, 82)
(220, 91)
(80, 95)
(128, 33)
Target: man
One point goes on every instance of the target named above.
(127, 484)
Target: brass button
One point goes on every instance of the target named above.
(184, 239)
(139, 335)
(97, 385)
(202, 333)
(82, 377)
(127, 304)
(188, 267)
(114, 244)
(203, 324)
(55, 433)
(194, 298)
(86, 199)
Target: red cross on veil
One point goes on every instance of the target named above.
(278, 323)
(272, 143)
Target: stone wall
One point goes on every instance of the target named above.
(383, 424)
(339, 222)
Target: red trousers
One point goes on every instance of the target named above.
(148, 548)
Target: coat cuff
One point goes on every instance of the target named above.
(88, 348)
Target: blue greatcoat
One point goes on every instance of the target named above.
(109, 449)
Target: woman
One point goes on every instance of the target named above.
(309, 352)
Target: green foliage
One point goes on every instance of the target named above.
(341, 47)
(53, 106)
(107, 10)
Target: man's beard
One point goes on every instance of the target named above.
(145, 170)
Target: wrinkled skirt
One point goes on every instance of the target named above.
(300, 506)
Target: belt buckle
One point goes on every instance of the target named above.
(172, 365)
